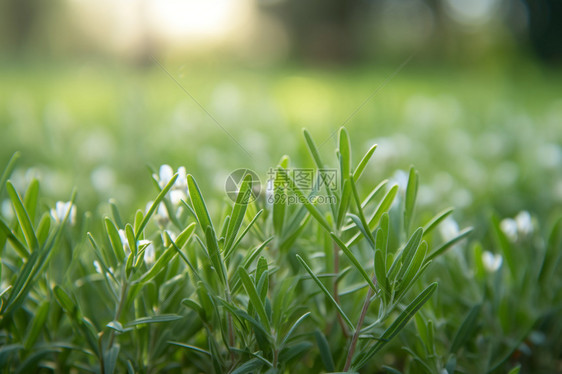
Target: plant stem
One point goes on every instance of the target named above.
(335, 287)
(355, 338)
(118, 311)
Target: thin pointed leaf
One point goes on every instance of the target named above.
(198, 204)
(8, 170)
(254, 297)
(292, 329)
(191, 347)
(345, 152)
(313, 149)
(23, 217)
(461, 235)
(325, 353)
(467, 328)
(398, 324)
(439, 217)
(155, 204)
(354, 261)
(325, 290)
(115, 240)
(238, 211)
(410, 201)
(363, 163)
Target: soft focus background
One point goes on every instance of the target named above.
(470, 91)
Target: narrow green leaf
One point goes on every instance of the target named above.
(30, 199)
(382, 208)
(115, 213)
(380, 272)
(467, 328)
(313, 149)
(43, 228)
(408, 253)
(398, 324)
(415, 266)
(23, 218)
(198, 204)
(326, 292)
(191, 347)
(139, 216)
(129, 233)
(238, 211)
(552, 254)
(115, 241)
(354, 261)
(254, 297)
(251, 366)
(214, 254)
(110, 359)
(154, 205)
(38, 322)
(367, 232)
(292, 329)
(8, 170)
(345, 152)
(64, 299)
(461, 235)
(294, 351)
(363, 163)
(410, 201)
(325, 353)
(243, 234)
(20, 248)
(344, 203)
(515, 370)
(439, 217)
(154, 319)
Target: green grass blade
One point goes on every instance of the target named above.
(8, 170)
(19, 247)
(439, 217)
(238, 212)
(398, 324)
(23, 218)
(353, 260)
(118, 253)
(30, 199)
(154, 205)
(466, 330)
(366, 231)
(324, 349)
(198, 204)
(313, 149)
(345, 152)
(410, 201)
(461, 235)
(292, 329)
(326, 292)
(363, 163)
(255, 300)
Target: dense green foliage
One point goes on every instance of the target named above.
(199, 283)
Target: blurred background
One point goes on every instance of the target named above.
(469, 91)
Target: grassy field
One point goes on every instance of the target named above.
(168, 280)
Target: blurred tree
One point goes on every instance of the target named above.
(546, 28)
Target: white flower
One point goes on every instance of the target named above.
(509, 228)
(524, 223)
(521, 226)
(491, 262)
(149, 252)
(179, 189)
(7, 210)
(62, 209)
(97, 266)
(166, 173)
(124, 241)
(449, 228)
